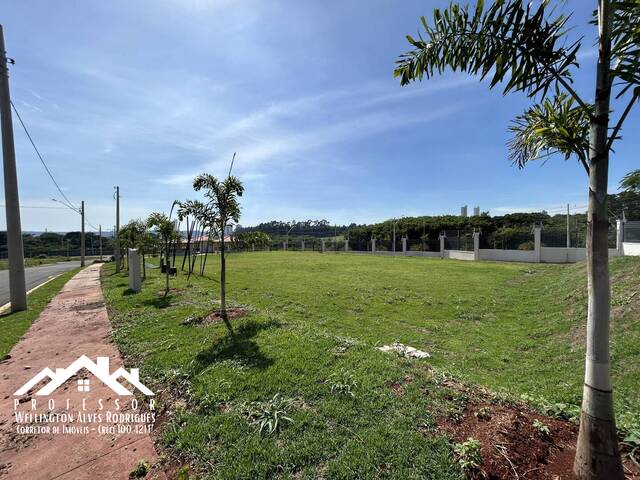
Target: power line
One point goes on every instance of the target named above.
(39, 206)
(24, 127)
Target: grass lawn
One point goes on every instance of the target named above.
(310, 336)
(34, 262)
(14, 325)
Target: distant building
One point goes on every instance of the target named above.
(463, 211)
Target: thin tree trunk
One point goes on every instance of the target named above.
(223, 279)
(187, 250)
(206, 253)
(144, 268)
(597, 454)
(166, 268)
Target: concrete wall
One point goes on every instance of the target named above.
(632, 249)
(497, 255)
(459, 254)
(568, 255)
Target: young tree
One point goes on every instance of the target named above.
(135, 234)
(222, 210)
(517, 44)
(166, 228)
(198, 212)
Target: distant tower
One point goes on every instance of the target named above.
(476, 211)
(463, 211)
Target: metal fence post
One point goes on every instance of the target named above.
(373, 245)
(404, 245)
(537, 236)
(302, 245)
(346, 245)
(323, 246)
(441, 237)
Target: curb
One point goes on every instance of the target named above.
(7, 305)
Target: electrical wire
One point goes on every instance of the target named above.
(44, 164)
(67, 202)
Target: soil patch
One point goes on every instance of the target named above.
(518, 442)
(232, 314)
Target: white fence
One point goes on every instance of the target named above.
(540, 253)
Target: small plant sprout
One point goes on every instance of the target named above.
(269, 416)
(141, 470)
(343, 383)
(541, 428)
(469, 457)
(483, 414)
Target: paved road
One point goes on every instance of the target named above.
(34, 276)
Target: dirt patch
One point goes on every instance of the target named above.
(232, 314)
(87, 306)
(215, 316)
(398, 387)
(517, 442)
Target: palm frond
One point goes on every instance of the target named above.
(555, 126)
(511, 41)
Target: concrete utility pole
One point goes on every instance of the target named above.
(100, 239)
(17, 286)
(82, 235)
(568, 230)
(117, 252)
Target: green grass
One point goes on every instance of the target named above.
(14, 325)
(34, 262)
(315, 321)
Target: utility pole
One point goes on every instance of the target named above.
(67, 249)
(100, 239)
(568, 230)
(117, 252)
(17, 286)
(82, 235)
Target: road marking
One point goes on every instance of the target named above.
(7, 305)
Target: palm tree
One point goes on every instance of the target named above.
(198, 212)
(166, 228)
(518, 45)
(222, 210)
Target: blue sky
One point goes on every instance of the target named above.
(146, 95)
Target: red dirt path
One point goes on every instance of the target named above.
(75, 323)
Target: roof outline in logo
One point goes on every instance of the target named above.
(100, 369)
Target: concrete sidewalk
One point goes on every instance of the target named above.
(75, 323)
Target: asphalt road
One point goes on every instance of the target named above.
(35, 276)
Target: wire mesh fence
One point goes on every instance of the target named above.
(632, 232)
(359, 245)
(458, 240)
(423, 244)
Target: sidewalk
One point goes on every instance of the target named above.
(75, 323)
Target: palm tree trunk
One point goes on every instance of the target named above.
(187, 250)
(206, 252)
(166, 269)
(597, 454)
(223, 279)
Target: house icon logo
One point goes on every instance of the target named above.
(100, 369)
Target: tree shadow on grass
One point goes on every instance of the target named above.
(159, 302)
(128, 292)
(239, 346)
